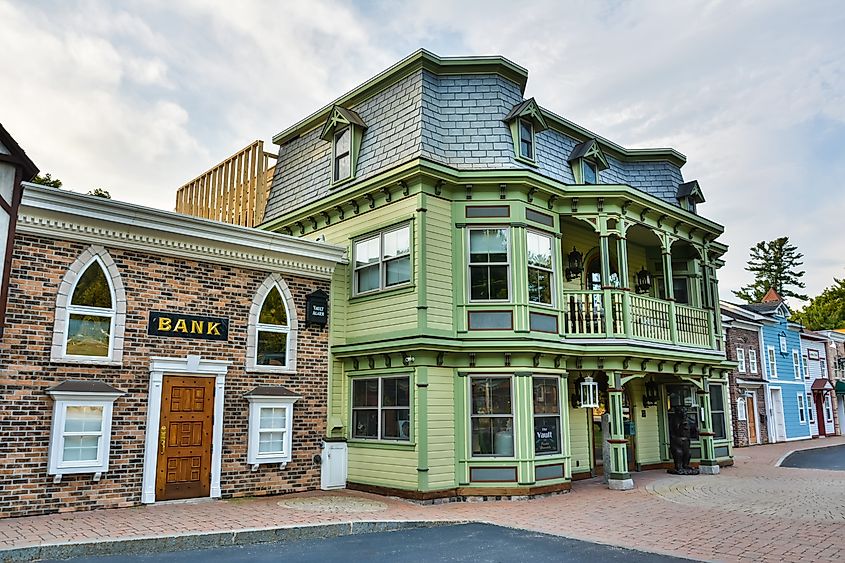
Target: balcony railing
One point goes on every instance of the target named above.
(622, 314)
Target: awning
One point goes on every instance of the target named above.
(840, 387)
(822, 385)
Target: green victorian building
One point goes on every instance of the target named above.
(525, 302)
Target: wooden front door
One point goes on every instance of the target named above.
(183, 469)
(818, 399)
(751, 417)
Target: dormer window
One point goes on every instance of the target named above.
(689, 196)
(587, 161)
(344, 129)
(525, 121)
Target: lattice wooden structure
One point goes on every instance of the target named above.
(235, 191)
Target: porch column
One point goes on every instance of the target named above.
(622, 259)
(708, 464)
(618, 478)
(604, 255)
(670, 288)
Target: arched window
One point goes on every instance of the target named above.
(271, 344)
(90, 311)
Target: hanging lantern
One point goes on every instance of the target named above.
(643, 280)
(652, 393)
(574, 264)
(589, 393)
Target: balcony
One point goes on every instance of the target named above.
(611, 313)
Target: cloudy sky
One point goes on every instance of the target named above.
(139, 96)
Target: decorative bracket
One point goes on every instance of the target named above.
(660, 365)
(438, 187)
(405, 189)
(503, 191)
(600, 204)
(371, 362)
(355, 364)
(579, 362)
(301, 227)
(472, 359)
(644, 365)
(625, 206)
(507, 359)
(371, 199)
(537, 357)
(558, 360)
(552, 199)
(531, 193)
(469, 191)
(354, 205)
(327, 217)
(643, 213)
(386, 191)
(440, 357)
(387, 360)
(574, 204)
(660, 220)
(339, 212)
(626, 361)
(313, 222)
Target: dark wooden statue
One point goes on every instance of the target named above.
(679, 440)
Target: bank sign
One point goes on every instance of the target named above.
(188, 326)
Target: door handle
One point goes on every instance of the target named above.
(162, 438)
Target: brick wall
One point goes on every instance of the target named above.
(152, 283)
(747, 340)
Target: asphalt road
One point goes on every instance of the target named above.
(832, 457)
(464, 542)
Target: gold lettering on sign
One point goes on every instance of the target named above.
(181, 326)
(164, 324)
(213, 328)
(196, 327)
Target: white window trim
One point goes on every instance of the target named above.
(61, 401)
(117, 313)
(828, 408)
(379, 407)
(507, 263)
(741, 409)
(740, 360)
(752, 360)
(802, 409)
(771, 359)
(382, 270)
(256, 403)
(512, 415)
(782, 343)
(292, 329)
(796, 363)
(550, 271)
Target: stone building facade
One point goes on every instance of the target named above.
(215, 278)
(746, 383)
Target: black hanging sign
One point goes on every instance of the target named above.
(176, 325)
(317, 308)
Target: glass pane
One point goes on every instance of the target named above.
(367, 278)
(539, 286)
(397, 271)
(81, 448)
(273, 310)
(396, 424)
(547, 434)
(92, 289)
(366, 252)
(539, 250)
(272, 348)
(525, 128)
(589, 172)
(498, 282)
(271, 442)
(395, 392)
(397, 242)
(271, 418)
(526, 149)
(83, 419)
(719, 425)
(341, 168)
(365, 393)
(492, 436)
(545, 396)
(341, 141)
(488, 245)
(479, 282)
(88, 335)
(491, 395)
(365, 423)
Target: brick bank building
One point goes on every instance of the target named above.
(147, 355)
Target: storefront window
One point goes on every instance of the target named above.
(546, 416)
(491, 416)
(381, 408)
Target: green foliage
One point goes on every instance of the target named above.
(100, 192)
(775, 265)
(825, 311)
(47, 180)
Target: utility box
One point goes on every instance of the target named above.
(334, 464)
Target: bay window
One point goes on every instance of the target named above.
(540, 270)
(382, 260)
(491, 417)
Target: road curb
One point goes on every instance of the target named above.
(789, 453)
(180, 542)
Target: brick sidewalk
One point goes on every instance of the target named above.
(752, 511)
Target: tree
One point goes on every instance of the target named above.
(47, 180)
(825, 311)
(100, 192)
(775, 266)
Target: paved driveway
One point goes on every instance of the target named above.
(754, 511)
(469, 543)
(832, 458)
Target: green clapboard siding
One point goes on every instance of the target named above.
(647, 439)
(382, 466)
(441, 428)
(579, 440)
(439, 249)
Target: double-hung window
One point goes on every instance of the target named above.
(740, 360)
(273, 331)
(752, 361)
(802, 409)
(526, 139)
(796, 364)
(491, 416)
(546, 416)
(589, 172)
(810, 409)
(828, 408)
(342, 150)
(381, 408)
(540, 267)
(382, 260)
(717, 412)
(90, 314)
(806, 367)
(773, 364)
(489, 270)
(270, 425)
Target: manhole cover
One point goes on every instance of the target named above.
(334, 504)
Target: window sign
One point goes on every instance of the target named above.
(546, 416)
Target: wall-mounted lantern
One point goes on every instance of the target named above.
(589, 393)
(643, 280)
(652, 393)
(575, 264)
(575, 397)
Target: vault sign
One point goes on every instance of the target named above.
(188, 326)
